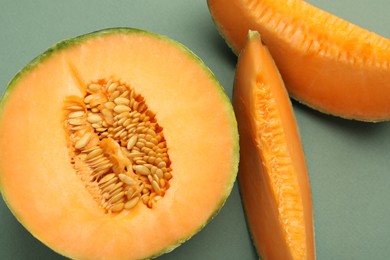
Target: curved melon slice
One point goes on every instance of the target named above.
(326, 62)
(105, 152)
(273, 177)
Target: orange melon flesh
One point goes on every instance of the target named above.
(273, 176)
(326, 62)
(39, 184)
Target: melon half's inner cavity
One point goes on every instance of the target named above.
(116, 146)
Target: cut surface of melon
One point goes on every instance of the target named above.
(326, 62)
(59, 150)
(273, 177)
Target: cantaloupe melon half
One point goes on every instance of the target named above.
(273, 177)
(326, 62)
(119, 144)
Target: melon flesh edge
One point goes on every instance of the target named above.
(271, 202)
(326, 62)
(39, 184)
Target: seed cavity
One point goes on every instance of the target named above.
(116, 146)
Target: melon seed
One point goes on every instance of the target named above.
(167, 175)
(111, 87)
(150, 178)
(161, 164)
(114, 95)
(142, 170)
(106, 112)
(109, 105)
(134, 154)
(121, 121)
(74, 108)
(126, 179)
(124, 90)
(131, 203)
(88, 98)
(94, 118)
(138, 191)
(76, 114)
(76, 121)
(121, 108)
(129, 193)
(109, 188)
(151, 132)
(118, 185)
(155, 177)
(162, 183)
(117, 207)
(100, 162)
(160, 173)
(94, 87)
(106, 178)
(145, 198)
(107, 183)
(83, 141)
(121, 101)
(115, 197)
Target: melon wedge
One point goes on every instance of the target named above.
(326, 62)
(106, 154)
(273, 177)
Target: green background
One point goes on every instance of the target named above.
(348, 161)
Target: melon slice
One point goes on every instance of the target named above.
(326, 62)
(105, 152)
(273, 177)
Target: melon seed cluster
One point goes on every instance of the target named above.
(116, 146)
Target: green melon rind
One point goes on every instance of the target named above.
(127, 30)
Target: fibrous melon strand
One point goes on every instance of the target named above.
(116, 146)
(271, 140)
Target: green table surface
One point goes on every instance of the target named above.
(348, 161)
